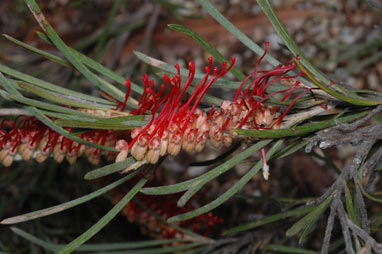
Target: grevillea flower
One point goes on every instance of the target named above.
(176, 123)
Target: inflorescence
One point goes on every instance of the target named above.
(176, 123)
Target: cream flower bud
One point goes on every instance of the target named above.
(164, 143)
(27, 153)
(121, 145)
(58, 154)
(216, 137)
(201, 141)
(139, 148)
(152, 155)
(8, 159)
(174, 144)
(41, 156)
(122, 155)
(3, 153)
(225, 105)
(71, 157)
(188, 143)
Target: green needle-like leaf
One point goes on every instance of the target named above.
(67, 205)
(228, 194)
(349, 202)
(241, 36)
(222, 168)
(9, 86)
(269, 219)
(300, 130)
(277, 248)
(51, 107)
(104, 220)
(70, 56)
(207, 46)
(39, 115)
(126, 125)
(308, 222)
(49, 86)
(109, 169)
(280, 29)
(62, 99)
(203, 179)
(84, 59)
(97, 247)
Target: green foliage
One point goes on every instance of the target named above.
(55, 101)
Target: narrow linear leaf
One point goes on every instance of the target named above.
(268, 219)
(71, 57)
(179, 187)
(127, 245)
(343, 97)
(367, 195)
(349, 202)
(181, 248)
(109, 169)
(300, 130)
(49, 86)
(51, 107)
(97, 52)
(197, 185)
(43, 53)
(90, 40)
(242, 37)
(104, 220)
(67, 205)
(36, 112)
(291, 148)
(229, 193)
(207, 46)
(62, 99)
(95, 247)
(8, 85)
(309, 220)
(281, 30)
(126, 125)
(88, 118)
(85, 59)
(35, 240)
(286, 249)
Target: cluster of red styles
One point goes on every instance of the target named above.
(176, 123)
(164, 206)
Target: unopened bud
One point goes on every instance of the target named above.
(152, 155)
(174, 144)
